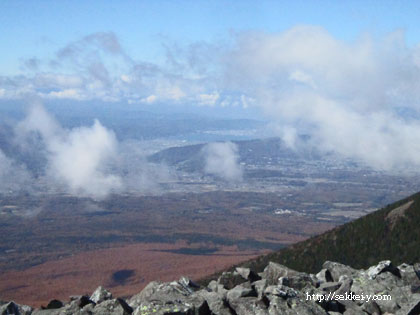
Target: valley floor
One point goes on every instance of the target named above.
(126, 270)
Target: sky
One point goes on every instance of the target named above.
(345, 73)
(47, 46)
(39, 28)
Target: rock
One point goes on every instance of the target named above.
(337, 270)
(298, 280)
(212, 286)
(330, 286)
(392, 290)
(113, 307)
(381, 267)
(173, 307)
(188, 283)
(413, 308)
(274, 271)
(371, 308)
(84, 300)
(351, 305)
(9, 308)
(240, 291)
(100, 295)
(416, 267)
(415, 288)
(409, 275)
(248, 274)
(216, 287)
(71, 308)
(78, 307)
(388, 306)
(363, 285)
(54, 304)
(324, 276)
(293, 305)
(280, 291)
(334, 306)
(345, 285)
(25, 309)
(229, 280)
(259, 287)
(13, 308)
(88, 309)
(145, 294)
(353, 312)
(177, 297)
(247, 306)
(216, 302)
(52, 312)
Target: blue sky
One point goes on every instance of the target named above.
(39, 28)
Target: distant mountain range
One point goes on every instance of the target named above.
(251, 152)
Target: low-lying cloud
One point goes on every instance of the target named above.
(83, 161)
(13, 176)
(221, 160)
(77, 158)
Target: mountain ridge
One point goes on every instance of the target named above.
(380, 235)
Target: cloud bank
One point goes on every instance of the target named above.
(221, 159)
(351, 98)
(96, 67)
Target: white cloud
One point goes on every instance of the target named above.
(96, 67)
(150, 99)
(302, 77)
(66, 94)
(77, 158)
(58, 80)
(81, 160)
(126, 78)
(166, 90)
(289, 136)
(208, 99)
(346, 95)
(40, 121)
(84, 161)
(221, 159)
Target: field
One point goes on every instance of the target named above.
(65, 245)
(122, 270)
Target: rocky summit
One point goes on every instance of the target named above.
(335, 289)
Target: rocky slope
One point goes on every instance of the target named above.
(335, 289)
